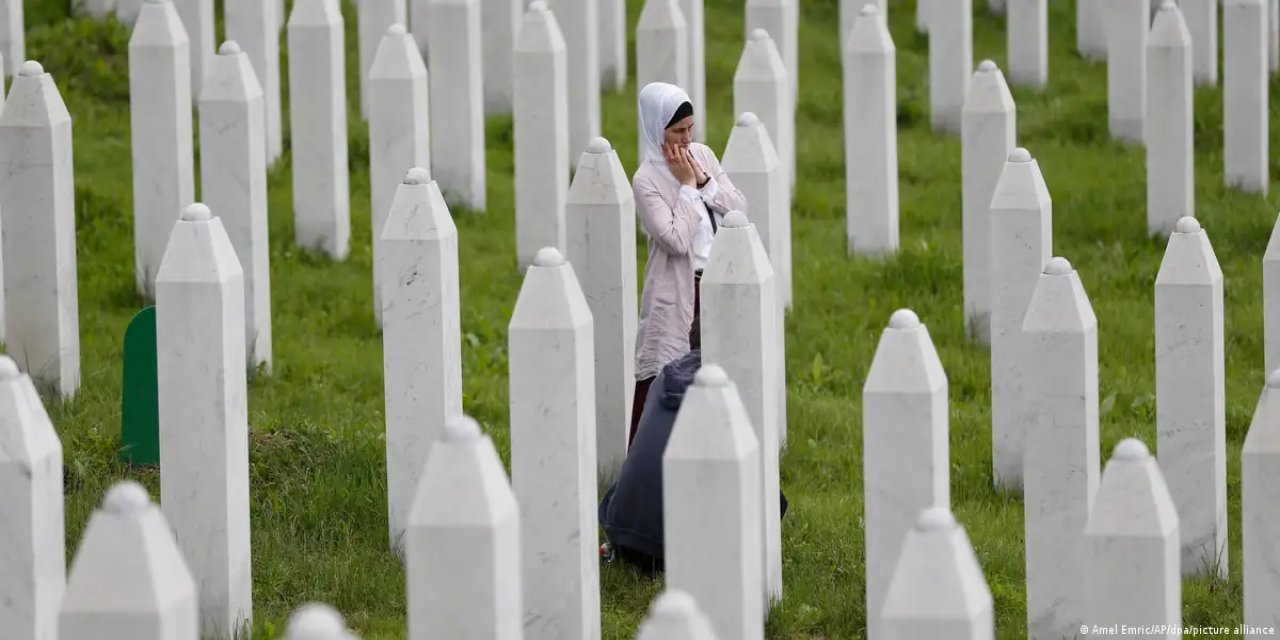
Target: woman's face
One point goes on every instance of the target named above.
(680, 134)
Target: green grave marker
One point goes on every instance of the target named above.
(140, 408)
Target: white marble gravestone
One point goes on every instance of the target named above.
(541, 134)
(1271, 301)
(1061, 449)
(1027, 36)
(421, 335)
(457, 104)
(12, 35)
(1020, 241)
(553, 445)
(905, 453)
(252, 24)
(197, 22)
(780, 19)
(711, 506)
(1169, 125)
(129, 581)
(127, 12)
(1127, 23)
(1131, 539)
(922, 15)
(988, 132)
(674, 615)
(938, 591)
(752, 165)
(233, 182)
(1191, 395)
(161, 133)
(317, 621)
(318, 128)
(950, 62)
(399, 131)
(1260, 480)
(1091, 30)
(418, 15)
(662, 55)
(33, 567)
(580, 26)
(612, 36)
(760, 86)
(1245, 95)
(203, 409)
(373, 19)
(600, 219)
(1202, 23)
(849, 12)
(464, 522)
(500, 26)
(870, 137)
(37, 208)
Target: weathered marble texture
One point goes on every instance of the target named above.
(37, 202)
(674, 615)
(233, 182)
(541, 134)
(711, 506)
(1169, 125)
(373, 19)
(905, 453)
(870, 138)
(1259, 484)
(1245, 95)
(129, 580)
(421, 336)
(253, 25)
(1127, 23)
(161, 133)
(317, 621)
(203, 404)
(612, 36)
(457, 104)
(12, 35)
(1027, 36)
(580, 26)
(600, 218)
(988, 132)
(32, 529)
(662, 54)
(500, 22)
(1202, 23)
(553, 445)
(938, 591)
(464, 522)
(760, 86)
(950, 62)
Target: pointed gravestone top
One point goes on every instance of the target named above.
(198, 250)
(418, 211)
(749, 149)
(539, 30)
(1132, 499)
(712, 423)
(463, 484)
(1019, 155)
(599, 178)
(196, 212)
(551, 297)
(1189, 258)
(989, 93)
(937, 574)
(26, 433)
(1059, 303)
(33, 101)
(904, 319)
(737, 256)
(8, 369)
(229, 48)
(31, 69)
(675, 615)
(1264, 429)
(417, 176)
(661, 15)
(231, 77)
(760, 61)
(317, 621)
(397, 56)
(747, 119)
(598, 146)
(1021, 186)
(315, 13)
(158, 25)
(870, 33)
(905, 360)
(1169, 29)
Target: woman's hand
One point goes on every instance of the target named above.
(699, 174)
(681, 165)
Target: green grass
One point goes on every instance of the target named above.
(316, 450)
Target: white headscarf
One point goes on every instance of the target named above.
(658, 103)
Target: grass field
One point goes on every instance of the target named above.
(316, 450)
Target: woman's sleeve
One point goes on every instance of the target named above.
(720, 194)
(671, 227)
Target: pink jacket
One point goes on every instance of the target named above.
(666, 304)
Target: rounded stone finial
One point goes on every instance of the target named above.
(1058, 266)
(8, 368)
(126, 498)
(1131, 449)
(461, 429)
(196, 212)
(987, 66)
(1167, 5)
(936, 519)
(316, 620)
(748, 119)
(759, 35)
(229, 48)
(548, 257)
(868, 10)
(31, 68)
(904, 319)
(537, 6)
(673, 605)
(1187, 224)
(711, 375)
(599, 146)
(417, 175)
(1273, 380)
(396, 29)
(734, 220)
(1020, 155)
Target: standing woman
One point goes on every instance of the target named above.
(681, 195)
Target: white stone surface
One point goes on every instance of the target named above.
(1020, 241)
(373, 19)
(711, 506)
(1132, 576)
(12, 35)
(1273, 34)
(1061, 456)
(318, 128)
(780, 19)
(950, 62)
(905, 453)
(1091, 31)
(417, 12)
(580, 26)
(870, 138)
(674, 615)
(1027, 33)
(1202, 23)
(37, 202)
(33, 567)
(197, 22)
(1271, 300)
(233, 182)
(421, 335)
(1191, 395)
(760, 86)
(553, 445)
(253, 25)
(996, 7)
(203, 402)
(662, 54)
(922, 15)
(463, 543)
(541, 134)
(988, 132)
(500, 27)
(1260, 480)
(127, 11)
(457, 105)
(740, 307)
(600, 222)
(317, 621)
(129, 580)
(98, 9)
(849, 12)
(1169, 126)
(938, 591)
(696, 62)
(161, 132)
(1245, 95)
(752, 164)
(613, 44)
(1127, 23)
(399, 131)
